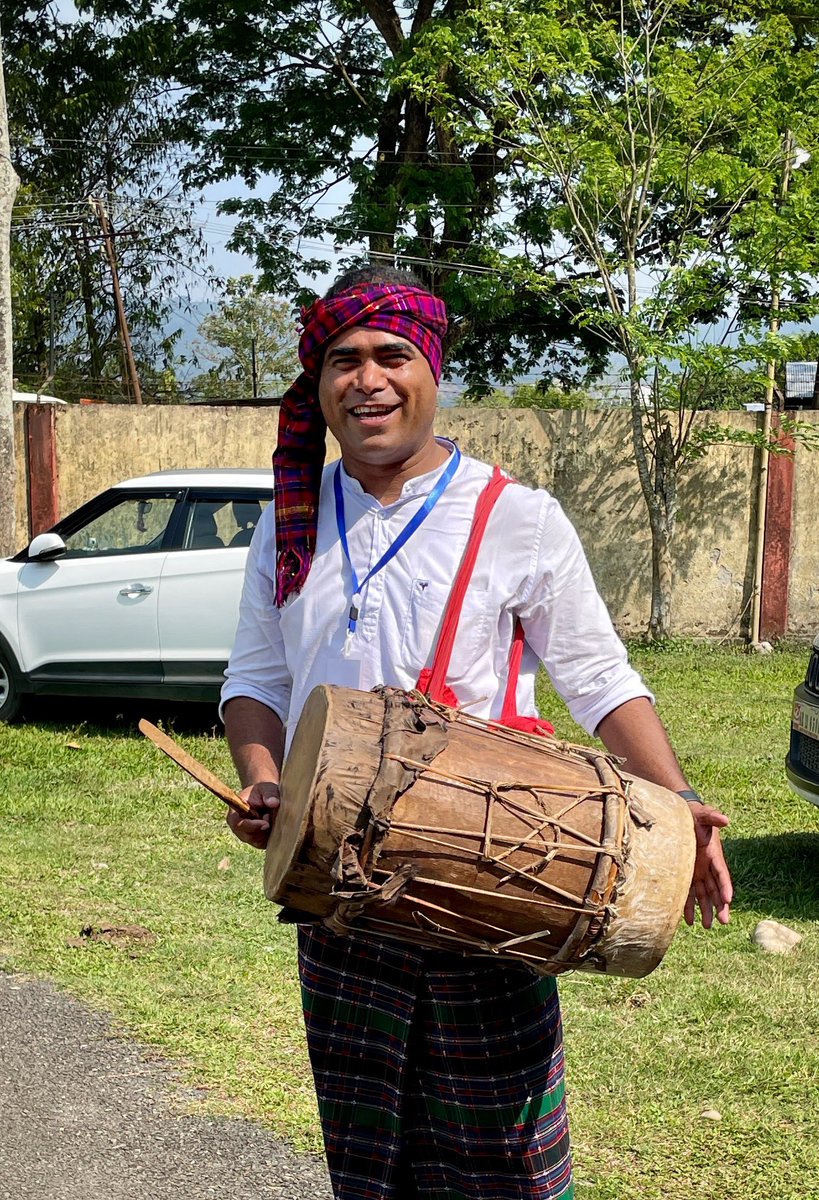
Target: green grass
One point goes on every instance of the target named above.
(113, 833)
(718, 1026)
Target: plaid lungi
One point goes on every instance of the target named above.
(437, 1075)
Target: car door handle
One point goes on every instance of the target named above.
(136, 589)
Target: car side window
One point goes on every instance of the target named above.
(136, 525)
(216, 523)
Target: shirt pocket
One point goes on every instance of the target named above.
(422, 626)
(422, 622)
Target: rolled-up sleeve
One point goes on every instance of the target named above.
(258, 666)
(568, 626)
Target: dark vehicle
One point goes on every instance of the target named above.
(802, 763)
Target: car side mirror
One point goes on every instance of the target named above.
(45, 547)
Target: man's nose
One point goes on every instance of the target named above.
(371, 376)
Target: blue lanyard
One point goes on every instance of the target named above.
(403, 537)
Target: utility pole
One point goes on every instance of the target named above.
(8, 463)
(253, 368)
(791, 159)
(52, 321)
(127, 350)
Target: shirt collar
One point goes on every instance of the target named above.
(419, 485)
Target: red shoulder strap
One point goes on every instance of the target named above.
(432, 680)
(509, 712)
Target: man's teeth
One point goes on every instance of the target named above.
(372, 410)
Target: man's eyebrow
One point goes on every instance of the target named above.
(383, 348)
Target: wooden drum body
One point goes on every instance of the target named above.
(412, 821)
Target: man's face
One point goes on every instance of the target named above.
(378, 396)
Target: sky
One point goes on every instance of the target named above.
(218, 228)
(224, 263)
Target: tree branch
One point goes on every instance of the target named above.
(386, 21)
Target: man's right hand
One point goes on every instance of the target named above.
(263, 798)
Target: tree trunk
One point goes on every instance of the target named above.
(662, 578)
(8, 466)
(659, 487)
(663, 519)
(382, 240)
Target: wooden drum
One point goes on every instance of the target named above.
(408, 820)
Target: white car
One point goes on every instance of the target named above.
(134, 594)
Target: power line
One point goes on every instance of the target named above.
(191, 205)
(281, 151)
(333, 250)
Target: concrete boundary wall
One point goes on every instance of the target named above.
(582, 457)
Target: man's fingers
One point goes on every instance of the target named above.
(262, 797)
(719, 899)
(706, 906)
(718, 879)
(722, 894)
(712, 892)
(725, 882)
(704, 814)
(263, 808)
(240, 824)
(254, 832)
(712, 899)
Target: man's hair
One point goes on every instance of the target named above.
(377, 274)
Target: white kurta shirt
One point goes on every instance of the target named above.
(530, 565)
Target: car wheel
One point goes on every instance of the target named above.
(10, 698)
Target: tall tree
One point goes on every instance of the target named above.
(91, 115)
(301, 97)
(651, 143)
(250, 340)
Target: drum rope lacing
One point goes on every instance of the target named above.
(363, 891)
(494, 795)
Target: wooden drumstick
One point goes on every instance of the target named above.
(195, 769)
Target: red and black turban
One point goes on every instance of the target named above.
(409, 312)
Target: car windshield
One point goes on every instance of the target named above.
(134, 526)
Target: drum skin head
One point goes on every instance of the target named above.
(297, 787)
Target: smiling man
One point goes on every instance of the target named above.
(437, 1075)
(378, 396)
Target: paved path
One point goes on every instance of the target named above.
(86, 1115)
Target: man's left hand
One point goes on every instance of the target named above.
(711, 886)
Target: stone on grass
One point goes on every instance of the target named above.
(774, 938)
(711, 1114)
(761, 648)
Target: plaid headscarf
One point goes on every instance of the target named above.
(298, 459)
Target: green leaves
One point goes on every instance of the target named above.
(251, 342)
(90, 114)
(655, 148)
